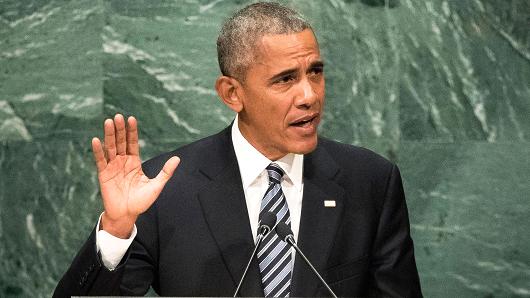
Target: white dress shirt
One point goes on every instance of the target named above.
(255, 181)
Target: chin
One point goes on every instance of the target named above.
(305, 147)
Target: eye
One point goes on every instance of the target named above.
(316, 70)
(285, 79)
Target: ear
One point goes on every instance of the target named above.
(230, 92)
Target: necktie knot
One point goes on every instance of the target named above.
(275, 173)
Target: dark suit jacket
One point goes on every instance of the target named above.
(196, 239)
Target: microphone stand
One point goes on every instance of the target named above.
(259, 238)
(268, 220)
(290, 240)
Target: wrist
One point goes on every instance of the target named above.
(121, 227)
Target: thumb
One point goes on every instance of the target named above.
(168, 169)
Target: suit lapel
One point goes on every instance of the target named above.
(318, 224)
(224, 207)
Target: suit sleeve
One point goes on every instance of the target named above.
(133, 276)
(393, 267)
(87, 275)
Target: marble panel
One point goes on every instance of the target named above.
(49, 202)
(468, 206)
(50, 69)
(465, 69)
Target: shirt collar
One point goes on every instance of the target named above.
(252, 162)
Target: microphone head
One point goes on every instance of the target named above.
(268, 220)
(283, 231)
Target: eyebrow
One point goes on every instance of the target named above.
(315, 64)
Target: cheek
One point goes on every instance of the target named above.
(321, 89)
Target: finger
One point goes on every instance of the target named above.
(132, 137)
(104, 151)
(110, 139)
(167, 171)
(121, 145)
(99, 155)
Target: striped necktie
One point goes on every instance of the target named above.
(274, 255)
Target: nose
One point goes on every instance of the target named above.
(307, 96)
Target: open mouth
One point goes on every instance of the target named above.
(305, 121)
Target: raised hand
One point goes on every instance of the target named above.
(126, 191)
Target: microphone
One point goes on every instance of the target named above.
(267, 222)
(285, 233)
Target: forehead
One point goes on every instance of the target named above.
(277, 49)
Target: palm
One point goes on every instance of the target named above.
(128, 189)
(125, 189)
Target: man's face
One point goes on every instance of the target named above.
(283, 95)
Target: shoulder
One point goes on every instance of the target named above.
(192, 154)
(355, 166)
(348, 156)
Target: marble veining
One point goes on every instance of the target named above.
(441, 87)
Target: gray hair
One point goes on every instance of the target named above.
(236, 44)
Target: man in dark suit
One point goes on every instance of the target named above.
(190, 232)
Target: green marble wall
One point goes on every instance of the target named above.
(440, 87)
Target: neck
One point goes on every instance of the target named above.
(268, 151)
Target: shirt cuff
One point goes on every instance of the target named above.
(111, 248)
